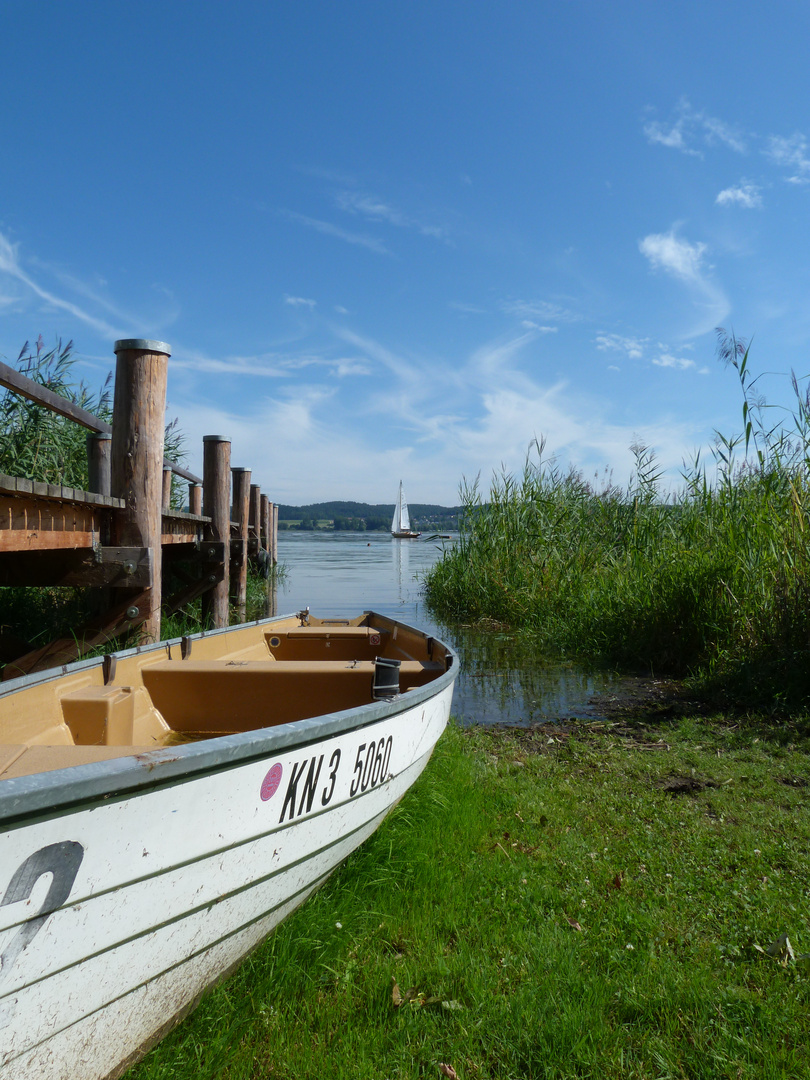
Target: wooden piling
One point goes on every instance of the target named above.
(255, 520)
(195, 499)
(274, 534)
(217, 506)
(266, 519)
(99, 461)
(166, 501)
(241, 517)
(139, 409)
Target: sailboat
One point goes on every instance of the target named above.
(401, 524)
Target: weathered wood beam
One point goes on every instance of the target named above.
(41, 395)
(100, 567)
(196, 588)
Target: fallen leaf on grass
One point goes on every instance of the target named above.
(574, 923)
(417, 999)
(617, 881)
(780, 950)
(448, 1070)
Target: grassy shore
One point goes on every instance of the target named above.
(610, 903)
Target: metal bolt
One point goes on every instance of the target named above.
(129, 568)
(133, 612)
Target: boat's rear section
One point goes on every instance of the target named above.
(131, 882)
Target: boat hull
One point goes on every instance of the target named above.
(136, 891)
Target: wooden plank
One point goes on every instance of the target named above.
(27, 540)
(41, 395)
(31, 523)
(178, 470)
(18, 485)
(168, 539)
(106, 566)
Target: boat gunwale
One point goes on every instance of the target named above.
(61, 789)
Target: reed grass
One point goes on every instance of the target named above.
(545, 906)
(712, 581)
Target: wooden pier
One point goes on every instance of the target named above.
(122, 538)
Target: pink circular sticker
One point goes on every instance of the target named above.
(271, 782)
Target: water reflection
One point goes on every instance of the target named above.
(503, 678)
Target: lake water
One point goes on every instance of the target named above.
(502, 678)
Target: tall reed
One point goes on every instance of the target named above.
(712, 581)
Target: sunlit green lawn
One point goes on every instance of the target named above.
(541, 907)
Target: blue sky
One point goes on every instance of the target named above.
(392, 239)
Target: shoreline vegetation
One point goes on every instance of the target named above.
(710, 583)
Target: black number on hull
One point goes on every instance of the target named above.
(62, 860)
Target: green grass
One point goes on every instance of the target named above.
(546, 908)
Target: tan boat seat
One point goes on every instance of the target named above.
(207, 697)
(100, 715)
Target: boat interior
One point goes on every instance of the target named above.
(245, 678)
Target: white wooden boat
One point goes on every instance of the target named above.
(162, 810)
(401, 522)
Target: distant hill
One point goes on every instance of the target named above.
(374, 516)
(331, 510)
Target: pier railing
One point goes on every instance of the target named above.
(122, 536)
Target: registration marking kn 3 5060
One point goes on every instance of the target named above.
(305, 784)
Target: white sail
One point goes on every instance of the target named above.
(404, 519)
(401, 521)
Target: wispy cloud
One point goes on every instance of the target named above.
(715, 131)
(684, 261)
(530, 324)
(299, 301)
(745, 194)
(671, 135)
(633, 348)
(266, 365)
(10, 265)
(375, 209)
(466, 309)
(538, 309)
(373, 243)
(791, 154)
(666, 251)
(689, 126)
(667, 360)
(343, 368)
